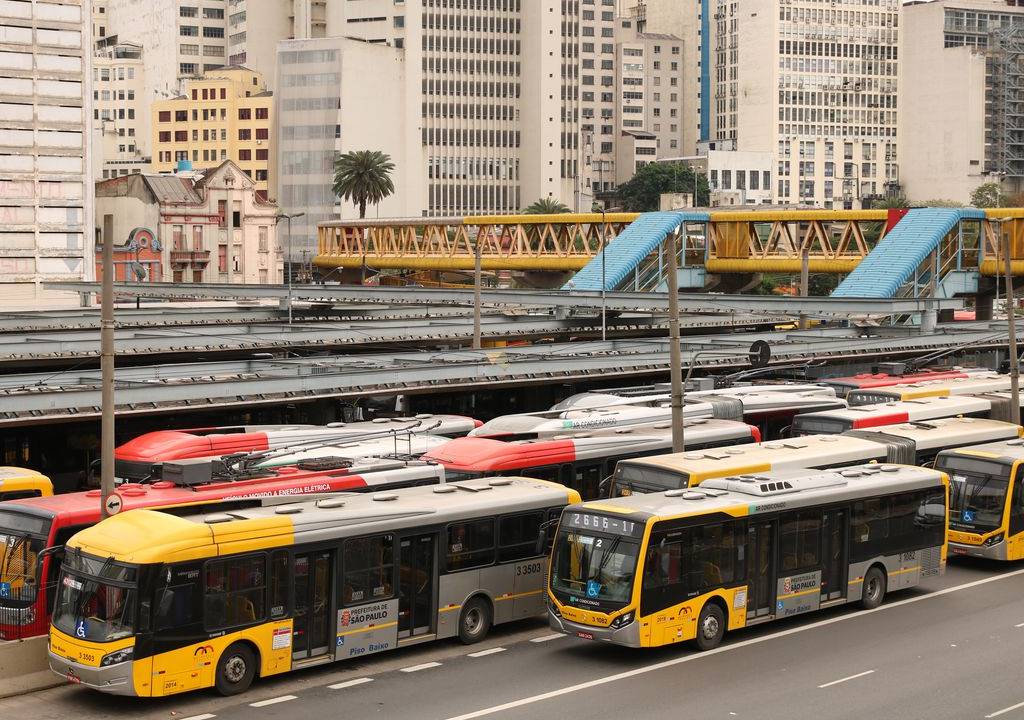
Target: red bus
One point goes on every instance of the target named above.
(579, 461)
(867, 381)
(32, 525)
(135, 460)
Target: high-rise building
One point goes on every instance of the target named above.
(495, 87)
(45, 120)
(224, 115)
(599, 128)
(256, 26)
(815, 83)
(121, 122)
(324, 106)
(180, 38)
(960, 107)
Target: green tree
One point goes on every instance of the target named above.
(896, 202)
(988, 195)
(546, 206)
(940, 203)
(643, 192)
(363, 177)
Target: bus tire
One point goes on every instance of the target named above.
(236, 669)
(873, 589)
(710, 626)
(474, 621)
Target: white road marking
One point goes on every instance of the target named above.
(350, 683)
(274, 701)
(997, 713)
(417, 668)
(842, 680)
(725, 648)
(545, 638)
(489, 651)
(1019, 625)
(204, 716)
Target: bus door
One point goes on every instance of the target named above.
(760, 569)
(312, 630)
(417, 574)
(833, 555)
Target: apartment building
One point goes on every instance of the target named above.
(181, 38)
(325, 106)
(976, 48)
(180, 226)
(121, 122)
(599, 124)
(45, 122)
(814, 82)
(226, 114)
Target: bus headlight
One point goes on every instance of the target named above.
(994, 540)
(623, 620)
(118, 656)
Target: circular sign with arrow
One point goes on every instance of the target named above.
(760, 353)
(113, 503)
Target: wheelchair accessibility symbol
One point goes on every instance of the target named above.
(81, 629)
(593, 588)
(968, 516)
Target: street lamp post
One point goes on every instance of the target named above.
(675, 354)
(288, 257)
(1011, 323)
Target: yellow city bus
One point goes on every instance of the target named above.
(661, 568)
(986, 505)
(151, 604)
(17, 483)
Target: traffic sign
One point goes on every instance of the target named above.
(760, 353)
(114, 503)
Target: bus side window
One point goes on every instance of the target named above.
(235, 591)
(60, 539)
(799, 541)
(517, 536)
(470, 544)
(1017, 505)
(280, 580)
(369, 566)
(178, 604)
(588, 481)
(869, 528)
(19, 495)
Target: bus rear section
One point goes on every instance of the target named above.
(689, 565)
(581, 461)
(867, 381)
(868, 416)
(681, 470)
(986, 517)
(975, 384)
(153, 604)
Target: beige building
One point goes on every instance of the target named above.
(227, 114)
(955, 122)
(45, 153)
(816, 84)
(191, 216)
(121, 124)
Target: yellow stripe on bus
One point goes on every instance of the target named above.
(978, 453)
(798, 594)
(368, 629)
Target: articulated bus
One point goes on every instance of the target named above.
(986, 506)
(868, 381)
(135, 459)
(580, 461)
(151, 604)
(975, 384)
(907, 443)
(663, 568)
(30, 526)
(868, 416)
(19, 483)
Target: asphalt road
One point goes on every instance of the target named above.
(950, 649)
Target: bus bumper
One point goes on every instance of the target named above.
(114, 679)
(628, 635)
(991, 552)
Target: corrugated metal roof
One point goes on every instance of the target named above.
(172, 189)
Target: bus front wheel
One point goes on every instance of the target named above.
(874, 589)
(475, 621)
(236, 670)
(710, 626)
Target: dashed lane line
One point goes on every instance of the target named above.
(417, 668)
(273, 701)
(489, 651)
(546, 638)
(350, 683)
(845, 679)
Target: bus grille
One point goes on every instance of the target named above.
(930, 561)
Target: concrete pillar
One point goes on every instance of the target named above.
(983, 307)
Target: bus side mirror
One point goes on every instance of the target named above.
(542, 536)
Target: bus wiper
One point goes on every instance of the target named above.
(608, 554)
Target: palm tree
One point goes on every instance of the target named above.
(363, 176)
(546, 206)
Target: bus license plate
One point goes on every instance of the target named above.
(74, 679)
(585, 635)
(959, 551)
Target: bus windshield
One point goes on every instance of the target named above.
(93, 609)
(807, 425)
(22, 538)
(593, 570)
(977, 493)
(632, 478)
